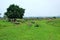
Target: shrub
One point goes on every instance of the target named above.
(33, 22)
(36, 25)
(54, 17)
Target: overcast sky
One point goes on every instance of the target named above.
(34, 7)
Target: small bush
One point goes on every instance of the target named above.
(54, 17)
(33, 22)
(36, 25)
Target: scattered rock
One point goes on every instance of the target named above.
(17, 22)
(29, 24)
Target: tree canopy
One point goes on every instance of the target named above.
(14, 11)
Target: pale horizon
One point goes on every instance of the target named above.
(34, 8)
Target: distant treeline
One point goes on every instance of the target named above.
(38, 17)
(33, 17)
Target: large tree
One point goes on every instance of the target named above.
(14, 11)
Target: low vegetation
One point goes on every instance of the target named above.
(30, 30)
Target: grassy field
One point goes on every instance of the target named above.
(46, 30)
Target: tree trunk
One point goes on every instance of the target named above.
(14, 19)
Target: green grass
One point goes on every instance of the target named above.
(22, 31)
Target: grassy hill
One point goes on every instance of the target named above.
(46, 30)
